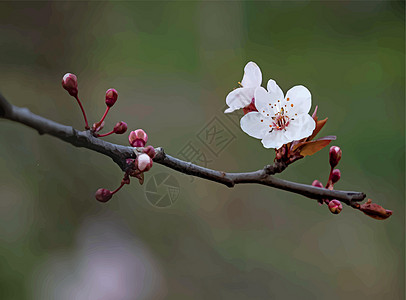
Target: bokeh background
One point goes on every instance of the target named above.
(173, 63)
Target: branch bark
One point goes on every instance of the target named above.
(120, 153)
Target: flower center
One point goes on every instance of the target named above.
(250, 107)
(280, 122)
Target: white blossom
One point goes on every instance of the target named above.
(279, 120)
(242, 96)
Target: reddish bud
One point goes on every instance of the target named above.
(138, 138)
(111, 97)
(335, 206)
(103, 195)
(120, 127)
(144, 162)
(70, 83)
(317, 183)
(150, 151)
(335, 155)
(126, 179)
(335, 176)
(375, 211)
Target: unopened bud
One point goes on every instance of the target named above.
(335, 176)
(138, 138)
(335, 206)
(126, 179)
(111, 97)
(103, 195)
(144, 162)
(317, 183)
(120, 127)
(150, 151)
(70, 83)
(375, 211)
(335, 155)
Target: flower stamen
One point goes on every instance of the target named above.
(280, 121)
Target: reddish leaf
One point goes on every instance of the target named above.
(297, 144)
(140, 178)
(313, 147)
(319, 126)
(302, 144)
(375, 211)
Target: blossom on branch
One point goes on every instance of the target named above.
(243, 96)
(279, 120)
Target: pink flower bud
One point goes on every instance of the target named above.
(144, 162)
(335, 206)
(103, 195)
(150, 151)
(70, 83)
(317, 183)
(335, 155)
(138, 138)
(335, 176)
(111, 97)
(120, 127)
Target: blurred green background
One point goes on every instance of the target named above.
(173, 63)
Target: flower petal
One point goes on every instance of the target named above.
(264, 103)
(275, 139)
(298, 101)
(252, 75)
(300, 127)
(251, 124)
(239, 98)
(275, 90)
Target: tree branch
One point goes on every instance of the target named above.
(120, 153)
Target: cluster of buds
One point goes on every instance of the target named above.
(138, 138)
(334, 205)
(136, 167)
(70, 84)
(143, 163)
